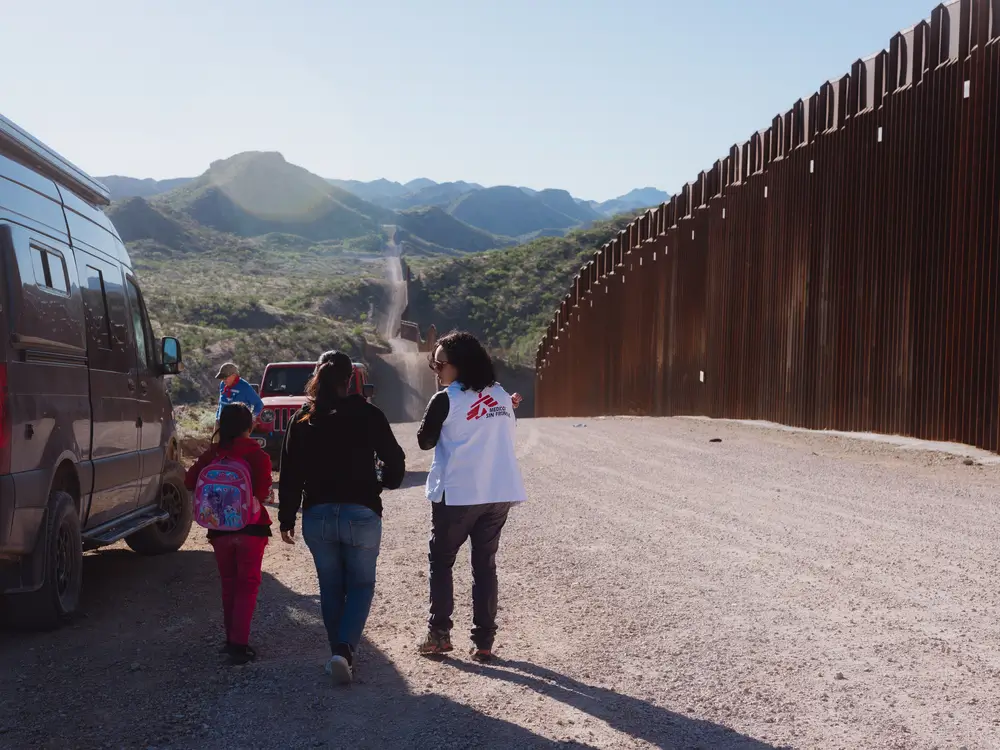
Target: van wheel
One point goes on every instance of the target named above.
(167, 536)
(61, 544)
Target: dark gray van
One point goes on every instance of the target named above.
(88, 451)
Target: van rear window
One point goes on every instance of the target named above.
(50, 269)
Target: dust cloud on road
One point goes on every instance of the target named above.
(406, 383)
(773, 589)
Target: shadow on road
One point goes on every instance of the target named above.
(140, 668)
(414, 479)
(636, 718)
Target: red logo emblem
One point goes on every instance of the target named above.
(481, 408)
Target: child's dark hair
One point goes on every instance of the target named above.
(234, 421)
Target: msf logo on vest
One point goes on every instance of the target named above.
(485, 406)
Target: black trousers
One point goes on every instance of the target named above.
(451, 525)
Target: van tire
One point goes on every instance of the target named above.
(169, 536)
(61, 544)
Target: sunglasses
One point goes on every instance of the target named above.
(437, 365)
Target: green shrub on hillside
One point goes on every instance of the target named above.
(505, 296)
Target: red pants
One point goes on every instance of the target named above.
(239, 557)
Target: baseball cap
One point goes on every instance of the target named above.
(227, 370)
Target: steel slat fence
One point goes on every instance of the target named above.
(837, 270)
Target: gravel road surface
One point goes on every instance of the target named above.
(774, 589)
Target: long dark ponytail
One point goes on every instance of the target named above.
(328, 383)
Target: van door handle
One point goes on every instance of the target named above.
(131, 385)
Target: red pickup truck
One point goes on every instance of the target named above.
(283, 391)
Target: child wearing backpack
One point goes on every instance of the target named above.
(229, 482)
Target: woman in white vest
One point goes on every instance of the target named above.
(473, 482)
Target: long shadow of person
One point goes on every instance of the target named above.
(140, 669)
(637, 718)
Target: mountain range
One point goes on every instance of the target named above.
(258, 259)
(258, 194)
(259, 198)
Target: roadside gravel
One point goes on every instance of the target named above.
(774, 589)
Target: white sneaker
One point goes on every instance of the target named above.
(339, 669)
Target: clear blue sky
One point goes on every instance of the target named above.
(595, 96)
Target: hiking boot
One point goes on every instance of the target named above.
(482, 655)
(240, 655)
(437, 643)
(341, 665)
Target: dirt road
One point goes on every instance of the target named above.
(774, 589)
(405, 382)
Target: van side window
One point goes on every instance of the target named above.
(105, 314)
(140, 324)
(50, 269)
(95, 302)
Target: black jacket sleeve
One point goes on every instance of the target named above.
(291, 481)
(429, 431)
(388, 450)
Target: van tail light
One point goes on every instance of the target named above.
(5, 425)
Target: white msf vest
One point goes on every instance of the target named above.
(474, 460)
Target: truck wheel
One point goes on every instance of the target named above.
(168, 536)
(60, 542)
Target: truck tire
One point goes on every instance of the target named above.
(60, 542)
(161, 538)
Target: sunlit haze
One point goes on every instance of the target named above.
(593, 97)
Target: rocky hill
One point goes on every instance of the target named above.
(567, 205)
(506, 297)
(632, 202)
(131, 187)
(259, 195)
(508, 211)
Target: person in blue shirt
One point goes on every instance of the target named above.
(235, 390)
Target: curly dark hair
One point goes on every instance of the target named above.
(470, 358)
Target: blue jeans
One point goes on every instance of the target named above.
(344, 541)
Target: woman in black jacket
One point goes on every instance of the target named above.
(328, 467)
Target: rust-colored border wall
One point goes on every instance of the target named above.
(837, 270)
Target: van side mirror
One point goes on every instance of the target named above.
(170, 356)
(368, 390)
